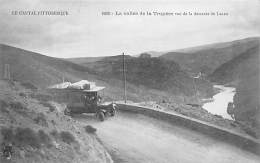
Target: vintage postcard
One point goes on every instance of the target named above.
(129, 81)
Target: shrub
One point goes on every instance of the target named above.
(218, 116)
(7, 134)
(48, 105)
(41, 120)
(90, 129)
(53, 122)
(26, 136)
(41, 96)
(55, 134)
(22, 94)
(250, 131)
(67, 137)
(44, 138)
(3, 106)
(28, 85)
(18, 106)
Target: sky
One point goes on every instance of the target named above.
(85, 32)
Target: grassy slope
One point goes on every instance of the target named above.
(152, 73)
(209, 57)
(241, 67)
(38, 69)
(43, 71)
(34, 114)
(82, 60)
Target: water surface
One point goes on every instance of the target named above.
(220, 101)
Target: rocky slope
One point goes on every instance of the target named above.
(40, 132)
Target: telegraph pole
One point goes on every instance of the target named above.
(7, 72)
(194, 84)
(124, 72)
(6, 68)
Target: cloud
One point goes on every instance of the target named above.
(85, 32)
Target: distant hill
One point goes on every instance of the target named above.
(152, 53)
(82, 60)
(240, 67)
(205, 58)
(154, 73)
(42, 71)
(209, 57)
(38, 69)
(87, 61)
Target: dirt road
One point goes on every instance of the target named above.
(136, 138)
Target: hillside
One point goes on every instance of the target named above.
(241, 67)
(38, 69)
(91, 62)
(152, 72)
(207, 58)
(247, 101)
(42, 71)
(84, 60)
(40, 132)
(243, 70)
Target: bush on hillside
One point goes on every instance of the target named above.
(15, 105)
(22, 94)
(18, 106)
(44, 138)
(48, 105)
(218, 116)
(28, 85)
(3, 106)
(23, 137)
(7, 134)
(41, 96)
(90, 129)
(53, 122)
(67, 137)
(27, 136)
(55, 134)
(41, 120)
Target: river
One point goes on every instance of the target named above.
(220, 101)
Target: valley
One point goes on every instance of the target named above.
(173, 82)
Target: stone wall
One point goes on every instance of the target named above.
(222, 134)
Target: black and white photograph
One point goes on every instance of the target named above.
(129, 81)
